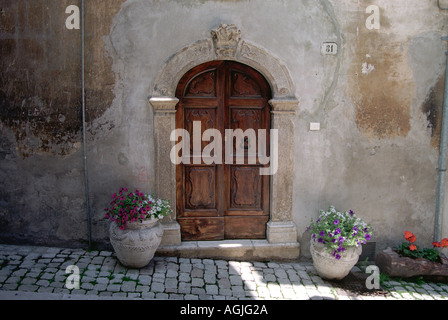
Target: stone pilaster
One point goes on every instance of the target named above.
(165, 171)
(281, 228)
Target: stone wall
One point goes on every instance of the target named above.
(378, 101)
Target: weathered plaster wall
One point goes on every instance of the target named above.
(42, 186)
(378, 149)
(378, 102)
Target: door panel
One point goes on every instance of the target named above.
(245, 227)
(200, 188)
(224, 200)
(244, 86)
(245, 189)
(202, 85)
(210, 228)
(208, 119)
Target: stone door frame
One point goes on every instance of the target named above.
(225, 43)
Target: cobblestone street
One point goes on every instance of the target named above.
(40, 273)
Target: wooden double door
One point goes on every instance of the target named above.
(225, 199)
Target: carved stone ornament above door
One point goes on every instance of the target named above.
(226, 39)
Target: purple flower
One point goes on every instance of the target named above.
(341, 240)
(337, 231)
(351, 212)
(336, 221)
(367, 236)
(320, 240)
(322, 233)
(338, 256)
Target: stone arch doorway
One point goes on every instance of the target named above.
(216, 198)
(226, 43)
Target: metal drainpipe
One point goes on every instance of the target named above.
(442, 155)
(442, 161)
(84, 140)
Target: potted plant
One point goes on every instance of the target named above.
(410, 260)
(135, 232)
(336, 245)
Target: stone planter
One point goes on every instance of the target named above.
(394, 265)
(328, 267)
(135, 246)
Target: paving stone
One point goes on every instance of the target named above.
(184, 288)
(184, 277)
(10, 286)
(172, 274)
(176, 297)
(45, 290)
(211, 289)
(223, 273)
(28, 288)
(197, 273)
(197, 290)
(185, 267)
(119, 294)
(269, 278)
(142, 288)
(148, 295)
(224, 283)
(144, 279)
(105, 253)
(236, 280)
(280, 273)
(197, 282)
(210, 278)
(171, 283)
(100, 286)
(113, 287)
(157, 287)
(43, 283)
(162, 296)
(128, 286)
(132, 274)
(105, 294)
(47, 276)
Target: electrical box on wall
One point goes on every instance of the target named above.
(314, 126)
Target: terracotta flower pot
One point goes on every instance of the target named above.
(136, 245)
(330, 268)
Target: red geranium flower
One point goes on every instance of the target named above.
(436, 244)
(409, 236)
(412, 247)
(444, 242)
